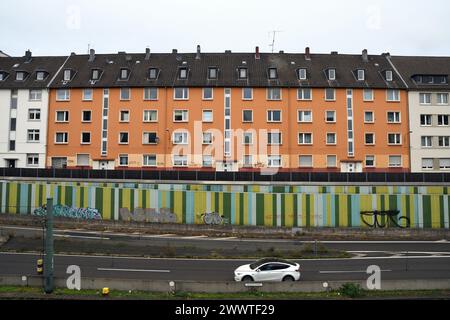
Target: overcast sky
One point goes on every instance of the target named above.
(402, 27)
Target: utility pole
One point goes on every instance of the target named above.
(48, 260)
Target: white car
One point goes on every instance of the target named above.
(268, 269)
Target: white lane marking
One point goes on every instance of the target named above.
(168, 235)
(350, 271)
(224, 239)
(132, 270)
(403, 252)
(441, 241)
(195, 237)
(80, 237)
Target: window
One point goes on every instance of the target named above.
(61, 137)
(207, 138)
(88, 94)
(273, 94)
(274, 161)
(330, 94)
(304, 116)
(302, 74)
(123, 138)
(40, 75)
(369, 138)
(179, 161)
(368, 117)
(207, 161)
(425, 98)
(152, 73)
(180, 138)
(85, 138)
(427, 164)
(124, 74)
(331, 161)
(242, 73)
(304, 94)
(86, 116)
(150, 138)
(3, 76)
(331, 74)
(95, 74)
(248, 138)
(12, 126)
(389, 75)
(426, 141)
(67, 74)
(125, 94)
(83, 160)
(123, 160)
(149, 160)
(20, 76)
(304, 138)
(63, 95)
(12, 145)
(273, 73)
(305, 161)
(247, 115)
(331, 138)
(361, 75)
(207, 93)
(394, 138)
(393, 95)
(34, 114)
(393, 117)
(248, 160)
(212, 73)
(368, 95)
(35, 95)
(330, 116)
(443, 120)
(183, 73)
(32, 160)
(207, 116)
(444, 163)
(274, 138)
(180, 115)
(425, 119)
(181, 94)
(124, 116)
(274, 116)
(62, 116)
(444, 141)
(370, 161)
(442, 98)
(247, 94)
(150, 115)
(151, 94)
(395, 161)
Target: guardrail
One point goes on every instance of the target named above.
(244, 176)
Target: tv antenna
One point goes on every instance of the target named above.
(274, 33)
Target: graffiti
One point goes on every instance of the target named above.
(70, 212)
(391, 215)
(164, 215)
(212, 218)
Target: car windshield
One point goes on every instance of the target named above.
(260, 262)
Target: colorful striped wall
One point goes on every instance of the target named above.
(291, 206)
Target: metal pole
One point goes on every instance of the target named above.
(48, 263)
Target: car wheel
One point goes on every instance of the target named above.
(247, 279)
(288, 278)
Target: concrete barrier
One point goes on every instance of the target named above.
(221, 287)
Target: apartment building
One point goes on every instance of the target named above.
(229, 112)
(427, 80)
(24, 100)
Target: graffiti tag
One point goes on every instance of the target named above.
(391, 215)
(212, 218)
(70, 212)
(164, 215)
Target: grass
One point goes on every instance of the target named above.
(37, 293)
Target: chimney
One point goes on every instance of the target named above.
(91, 55)
(197, 56)
(365, 55)
(281, 51)
(227, 51)
(28, 55)
(334, 53)
(257, 55)
(307, 54)
(387, 55)
(174, 51)
(147, 53)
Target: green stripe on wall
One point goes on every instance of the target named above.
(274, 210)
(283, 210)
(308, 211)
(68, 197)
(259, 209)
(349, 210)
(99, 199)
(295, 210)
(426, 203)
(241, 208)
(227, 205)
(336, 211)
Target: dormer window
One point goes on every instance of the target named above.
(182, 73)
(331, 74)
(212, 73)
(242, 73)
(273, 73)
(152, 73)
(124, 74)
(95, 74)
(20, 75)
(389, 76)
(361, 75)
(67, 75)
(302, 74)
(3, 76)
(40, 75)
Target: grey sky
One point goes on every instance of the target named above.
(408, 27)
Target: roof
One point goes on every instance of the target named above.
(3, 55)
(11, 65)
(409, 67)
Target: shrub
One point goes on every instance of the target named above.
(351, 290)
